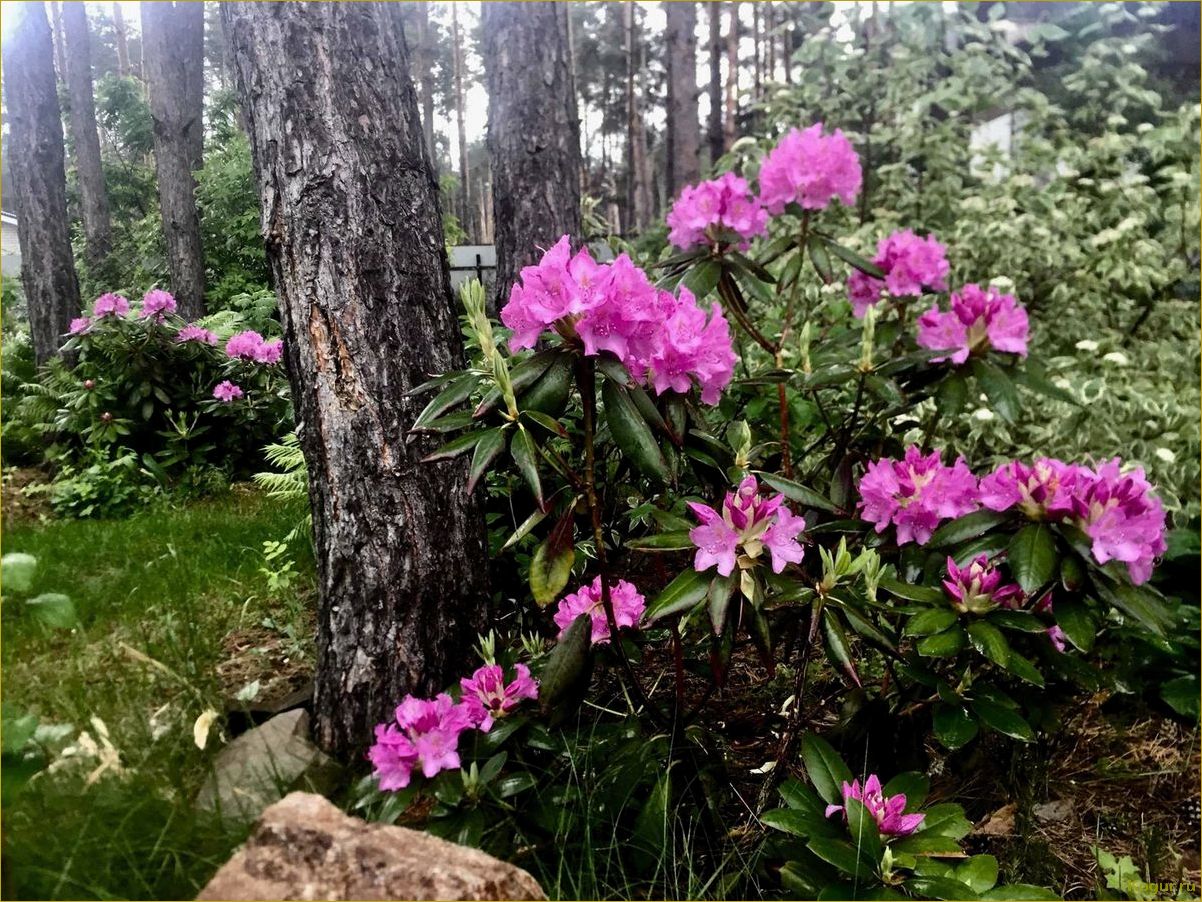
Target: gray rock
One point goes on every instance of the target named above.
(305, 848)
(264, 764)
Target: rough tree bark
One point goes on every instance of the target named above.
(122, 40)
(533, 136)
(353, 228)
(684, 129)
(94, 201)
(169, 56)
(465, 173)
(35, 147)
(715, 86)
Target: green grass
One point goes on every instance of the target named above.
(157, 596)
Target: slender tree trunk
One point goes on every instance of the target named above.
(35, 155)
(683, 128)
(94, 201)
(730, 126)
(191, 48)
(715, 86)
(465, 175)
(770, 40)
(425, 67)
(533, 134)
(353, 228)
(168, 44)
(786, 43)
(638, 201)
(60, 44)
(122, 40)
(758, 60)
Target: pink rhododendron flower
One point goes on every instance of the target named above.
(1043, 490)
(916, 493)
(659, 337)
(425, 734)
(911, 265)
(487, 697)
(1121, 515)
(269, 352)
(980, 320)
(80, 324)
(751, 522)
(886, 810)
(227, 391)
(243, 345)
(157, 303)
(978, 587)
(627, 603)
(192, 332)
(704, 212)
(810, 168)
(110, 305)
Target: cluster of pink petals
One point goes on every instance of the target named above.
(978, 587)
(916, 493)
(809, 168)
(487, 697)
(704, 212)
(751, 522)
(227, 392)
(425, 735)
(627, 602)
(110, 305)
(1117, 510)
(659, 337)
(887, 811)
(911, 265)
(157, 303)
(193, 332)
(250, 345)
(80, 324)
(980, 319)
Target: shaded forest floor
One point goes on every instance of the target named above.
(177, 615)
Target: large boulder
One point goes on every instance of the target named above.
(263, 765)
(305, 848)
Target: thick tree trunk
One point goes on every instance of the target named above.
(94, 202)
(354, 234)
(168, 49)
(730, 126)
(465, 174)
(191, 49)
(35, 155)
(122, 40)
(683, 127)
(533, 135)
(715, 86)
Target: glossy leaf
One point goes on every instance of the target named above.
(825, 768)
(682, 593)
(1033, 557)
(632, 433)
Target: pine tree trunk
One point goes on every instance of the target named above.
(730, 126)
(425, 68)
(465, 174)
(715, 86)
(533, 134)
(353, 228)
(122, 40)
(168, 43)
(35, 155)
(638, 201)
(94, 202)
(683, 128)
(60, 44)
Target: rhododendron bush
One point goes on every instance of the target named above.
(744, 454)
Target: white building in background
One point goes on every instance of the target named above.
(10, 246)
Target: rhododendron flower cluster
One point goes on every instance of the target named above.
(659, 337)
(911, 265)
(157, 303)
(80, 324)
(487, 696)
(227, 391)
(978, 587)
(192, 332)
(887, 811)
(750, 522)
(1117, 510)
(110, 305)
(980, 319)
(916, 493)
(703, 212)
(250, 345)
(627, 602)
(811, 169)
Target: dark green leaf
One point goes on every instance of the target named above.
(850, 256)
(979, 872)
(863, 829)
(943, 645)
(1014, 892)
(682, 593)
(1024, 669)
(825, 768)
(838, 649)
(799, 823)
(940, 888)
(1021, 621)
(632, 433)
(1033, 557)
(702, 278)
(951, 395)
(721, 591)
(841, 854)
(491, 444)
(967, 527)
(454, 447)
(551, 567)
(1005, 720)
(997, 386)
(1138, 602)
(53, 609)
(954, 727)
(1075, 621)
(930, 622)
(989, 641)
(796, 492)
(456, 392)
(566, 666)
(913, 785)
(924, 594)
(525, 455)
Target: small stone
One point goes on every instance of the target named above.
(306, 848)
(1053, 812)
(264, 764)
